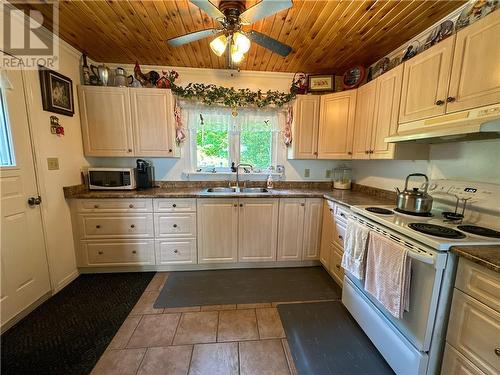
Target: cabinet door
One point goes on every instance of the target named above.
(153, 122)
(475, 76)
(291, 228)
(217, 230)
(385, 123)
(365, 106)
(335, 265)
(312, 228)
(305, 127)
(258, 229)
(327, 232)
(105, 118)
(455, 363)
(425, 82)
(336, 125)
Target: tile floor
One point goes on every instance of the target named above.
(224, 339)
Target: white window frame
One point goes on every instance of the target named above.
(7, 130)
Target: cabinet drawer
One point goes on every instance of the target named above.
(479, 282)
(339, 235)
(335, 264)
(474, 330)
(114, 205)
(120, 225)
(174, 205)
(176, 251)
(125, 253)
(175, 225)
(342, 214)
(455, 363)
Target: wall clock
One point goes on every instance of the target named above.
(353, 77)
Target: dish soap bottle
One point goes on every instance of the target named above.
(270, 183)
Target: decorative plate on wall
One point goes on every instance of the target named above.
(353, 77)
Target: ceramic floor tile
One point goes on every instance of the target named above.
(145, 304)
(218, 307)
(197, 327)
(181, 309)
(156, 284)
(172, 360)
(219, 358)
(289, 357)
(237, 325)
(265, 357)
(154, 330)
(253, 305)
(269, 323)
(125, 332)
(119, 362)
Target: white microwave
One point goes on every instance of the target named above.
(111, 178)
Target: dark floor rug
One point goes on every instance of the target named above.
(325, 339)
(220, 287)
(68, 333)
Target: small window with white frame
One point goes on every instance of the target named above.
(7, 156)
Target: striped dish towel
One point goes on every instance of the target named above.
(388, 272)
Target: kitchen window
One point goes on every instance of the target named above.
(218, 138)
(6, 150)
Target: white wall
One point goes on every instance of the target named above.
(172, 169)
(69, 150)
(474, 161)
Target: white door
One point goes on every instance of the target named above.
(25, 276)
(291, 228)
(258, 229)
(312, 228)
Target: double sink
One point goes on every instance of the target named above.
(236, 190)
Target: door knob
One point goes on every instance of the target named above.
(175, 225)
(34, 201)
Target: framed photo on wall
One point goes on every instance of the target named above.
(321, 83)
(57, 92)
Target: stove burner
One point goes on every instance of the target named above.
(379, 210)
(424, 214)
(480, 231)
(436, 230)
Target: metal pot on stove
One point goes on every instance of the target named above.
(414, 201)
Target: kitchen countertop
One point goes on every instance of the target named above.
(346, 197)
(487, 256)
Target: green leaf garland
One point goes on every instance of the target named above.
(231, 97)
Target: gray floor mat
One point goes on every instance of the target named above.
(199, 288)
(325, 339)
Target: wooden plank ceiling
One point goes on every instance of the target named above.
(326, 36)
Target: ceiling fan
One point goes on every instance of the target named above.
(232, 15)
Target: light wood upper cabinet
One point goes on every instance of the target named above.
(365, 108)
(106, 122)
(385, 121)
(475, 76)
(425, 82)
(152, 122)
(305, 127)
(312, 228)
(217, 230)
(336, 125)
(291, 228)
(258, 229)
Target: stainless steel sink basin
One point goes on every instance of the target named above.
(222, 190)
(254, 190)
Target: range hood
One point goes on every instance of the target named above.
(474, 124)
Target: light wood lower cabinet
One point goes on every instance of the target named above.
(312, 228)
(257, 229)
(334, 265)
(217, 230)
(455, 363)
(327, 232)
(291, 228)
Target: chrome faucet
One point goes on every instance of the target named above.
(238, 173)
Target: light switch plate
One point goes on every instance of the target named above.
(53, 164)
(307, 172)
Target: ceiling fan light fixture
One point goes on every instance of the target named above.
(241, 42)
(236, 56)
(219, 45)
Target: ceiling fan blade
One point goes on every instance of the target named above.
(192, 37)
(264, 9)
(269, 43)
(209, 8)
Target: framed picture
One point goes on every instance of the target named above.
(57, 92)
(321, 83)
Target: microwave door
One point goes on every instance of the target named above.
(108, 179)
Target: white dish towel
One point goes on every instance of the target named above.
(356, 241)
(388, 271)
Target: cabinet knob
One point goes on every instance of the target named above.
(450, 99)
(440, 102)
(130, 206)
(349, 153)
(302, 204)
(129, 150)
(169, 150)
(331, 209)
(337, 266)
(235, 205)
(497, 351)
(134, 252)
(315, 153)
(343, 215)
(176, 251)
(175, 225)
(371, 151)
(341, 238)
(96, 206)
(97, 226)
(367, 152)
(241, 204)
(174, 205)
(132, 226)
(100, 252)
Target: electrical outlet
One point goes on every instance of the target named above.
(307, 172)
(328, 173)
(53, 164)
